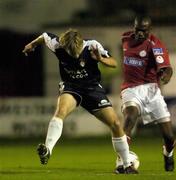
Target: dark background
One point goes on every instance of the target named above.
(19, 75)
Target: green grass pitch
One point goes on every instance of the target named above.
(80, 159)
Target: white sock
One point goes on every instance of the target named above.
(54, 132)
(121, 147)
(168, 154)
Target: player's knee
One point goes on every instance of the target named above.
(61, 112)
(115, 126)
(131, 116)
(131, 112)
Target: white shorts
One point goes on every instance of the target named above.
(149, 101)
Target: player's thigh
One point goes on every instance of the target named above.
(66, 104)
(107, 115)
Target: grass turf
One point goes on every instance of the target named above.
(79, 159)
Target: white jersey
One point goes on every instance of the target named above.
(151, 104)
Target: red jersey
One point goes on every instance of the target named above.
(142, 61)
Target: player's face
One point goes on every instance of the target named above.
(78, 51)
(141, 34)
(141, 29)
(75, 51)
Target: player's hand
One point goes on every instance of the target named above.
(95, 53)
(28, 48)
(166, 74)
(164, 79)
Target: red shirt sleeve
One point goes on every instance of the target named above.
(160, 53)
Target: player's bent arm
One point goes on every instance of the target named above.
(108, 61)
(98, 53)
(166, 74)
(33, 44)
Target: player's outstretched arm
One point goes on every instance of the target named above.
(33, 44)
(108, 61)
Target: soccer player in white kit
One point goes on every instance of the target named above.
(145, 65)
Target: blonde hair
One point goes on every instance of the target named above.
(72, 42)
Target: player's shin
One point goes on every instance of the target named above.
(121, 147)
(54, 132)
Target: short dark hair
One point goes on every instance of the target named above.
(142, 22)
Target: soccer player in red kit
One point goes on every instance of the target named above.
(145, 65)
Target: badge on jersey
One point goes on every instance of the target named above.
(157, 51)
(142, 53)
(159, 59)
(82, 63)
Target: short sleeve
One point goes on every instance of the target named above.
(94, 43)
(51, 41)
(160, 54)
